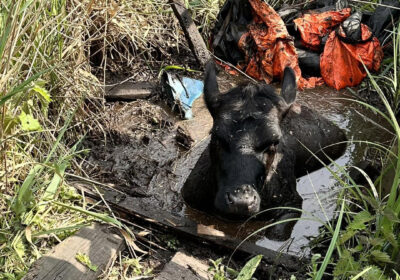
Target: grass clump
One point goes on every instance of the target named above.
(49, 95)
(46, 93)
(43, 81)
(368, 244)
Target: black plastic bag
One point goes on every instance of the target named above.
(382, 18)
(231, 24)
(309, 63)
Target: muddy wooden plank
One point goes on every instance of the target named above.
(183, 266)
(198, 128)
(130, 91)
(99, 242)
(184, 226)
(193, 37)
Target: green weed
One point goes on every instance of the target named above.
(222, 272)
(368, 246)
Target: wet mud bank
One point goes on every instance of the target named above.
(141, 152)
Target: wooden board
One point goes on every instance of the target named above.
(185, 227)
(193, 37)
(98, 242)
(198, 128)
(129, 91)
(184, 267)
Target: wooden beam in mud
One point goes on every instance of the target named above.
(193, 37)
(185, 227)
(129, 91)
(183, 267)
(99, 242)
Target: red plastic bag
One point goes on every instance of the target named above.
(274, 48)
(313, 26)
(341, 63)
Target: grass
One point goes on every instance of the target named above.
(48, 100)
(44, 81)
(49, 95)
(367, 246)
(49, 53)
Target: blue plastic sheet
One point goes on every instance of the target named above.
(185, 91)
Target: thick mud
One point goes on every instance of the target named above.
(142, 155)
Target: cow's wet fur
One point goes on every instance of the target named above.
(255, 148)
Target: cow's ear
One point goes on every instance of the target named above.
(211, 90)
(289, 86)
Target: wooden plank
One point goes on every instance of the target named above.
(130, 91)
(184, 267)
(98, 242)
(198, 128)
(193, 37)
(183, 226)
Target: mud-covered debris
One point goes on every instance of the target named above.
(130, 91)
(183, 137)
(140, 144)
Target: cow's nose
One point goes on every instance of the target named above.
(244, 199)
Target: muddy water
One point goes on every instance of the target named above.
(142, 157)
(319, 189)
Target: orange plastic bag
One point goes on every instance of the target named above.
(341, 63)
(274, 48)
(313, 26)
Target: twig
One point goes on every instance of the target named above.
(300, 4)
(234, 67)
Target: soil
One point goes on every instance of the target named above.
(136, 151)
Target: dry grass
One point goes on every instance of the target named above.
(52, 54)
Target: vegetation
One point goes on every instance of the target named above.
(49, 53)
(365, 238)
(222, 272)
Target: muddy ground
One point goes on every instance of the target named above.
(141, 151)
(137, 151)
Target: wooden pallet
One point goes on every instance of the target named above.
(99, 242)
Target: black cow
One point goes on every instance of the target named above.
(255, 147)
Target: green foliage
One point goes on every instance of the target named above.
(39, 63)
(314, 265)
(128, 268)
(28, 122)
(346, 265)
(368, 247)
(171, 242)
(218, 269)
(250, 267)
(222, 272)
(84, 259)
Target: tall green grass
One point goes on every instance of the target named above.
(368, 247)
(45, 82)
(47, 97)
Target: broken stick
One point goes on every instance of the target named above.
(193, 37)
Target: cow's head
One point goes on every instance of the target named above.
(244, 140)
